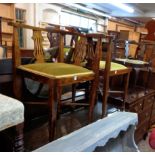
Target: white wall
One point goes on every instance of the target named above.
(29, 7)
(42, 9)
(36, 13)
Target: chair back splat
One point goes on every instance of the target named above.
(38, 48)
(79, 53)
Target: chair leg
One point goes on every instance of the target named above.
(18, 142)
(87, 91)
(126, 82)
(52, 111)
(92, 99)
(105, 97)
(73, 92)
(59, 93)
(104, 103)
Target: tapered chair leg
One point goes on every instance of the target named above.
(73, 92)
(92, 99)
(104, 103)
(52, 110)
(126, 82)
(59, 103)
(18, 141)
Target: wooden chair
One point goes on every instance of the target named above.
(144, 59)
(57, 75)
(110, 69)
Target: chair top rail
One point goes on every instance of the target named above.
(64, 32)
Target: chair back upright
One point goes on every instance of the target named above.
(38, 48)
(0, 31)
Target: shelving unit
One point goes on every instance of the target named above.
(131, 36)
(7, 13)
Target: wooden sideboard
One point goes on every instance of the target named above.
(142, 104)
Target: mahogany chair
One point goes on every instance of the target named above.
(144, 58)
(0, 31)
(110, 69)
(57, 75)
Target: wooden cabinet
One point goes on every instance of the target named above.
(141, 103)
(129, 35)
(7, 10)
(7, 13)
(152, 121)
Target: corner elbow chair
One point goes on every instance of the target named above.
(57, 75)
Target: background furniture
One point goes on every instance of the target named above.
(12, 115)
(114, 133)
(141, 103)
(129, 35)
(7, 13)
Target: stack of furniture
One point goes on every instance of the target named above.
(140, 98)
(131, 36)
(6, 14)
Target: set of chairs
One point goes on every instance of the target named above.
(84, 66)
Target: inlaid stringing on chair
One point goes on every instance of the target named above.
(55, 75)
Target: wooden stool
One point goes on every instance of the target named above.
(12, 115)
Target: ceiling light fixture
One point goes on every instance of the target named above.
(123, 7)
(89, 10)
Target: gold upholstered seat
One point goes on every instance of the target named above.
(114, 66)
(56, 70)
(132, 61)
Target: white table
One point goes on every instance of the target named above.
(113, 133)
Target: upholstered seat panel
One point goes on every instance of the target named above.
(11, 112)
(131, 61)
(56, 70)
(114, 66)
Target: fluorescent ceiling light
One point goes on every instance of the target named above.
(89, 10)
(123, 7)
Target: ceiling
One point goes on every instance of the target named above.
(142, 14)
